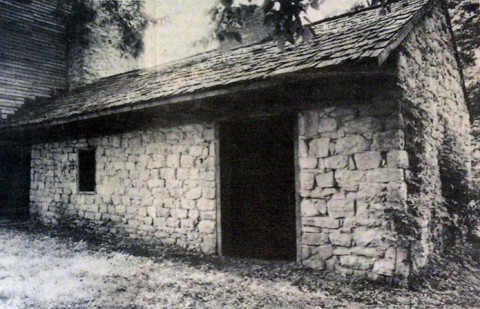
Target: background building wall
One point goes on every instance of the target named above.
(102, 56)
(33, 52)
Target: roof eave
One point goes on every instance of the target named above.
(370, 70)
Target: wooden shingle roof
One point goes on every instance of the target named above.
(356, 37)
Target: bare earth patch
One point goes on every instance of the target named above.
(41, 271)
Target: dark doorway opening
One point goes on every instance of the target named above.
(14, 183)
(258, 188)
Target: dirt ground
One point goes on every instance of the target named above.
(41, 268)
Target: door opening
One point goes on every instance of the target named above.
(258, 188)
(15, 183)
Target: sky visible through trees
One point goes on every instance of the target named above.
(169, 40)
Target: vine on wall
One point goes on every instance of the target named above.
(128, 16)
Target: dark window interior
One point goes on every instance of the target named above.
(258, 188)
(86, 170)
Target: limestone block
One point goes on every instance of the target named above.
(187, 161)
(317, 261)
(318, 147)
(324, 222)
(368, 160)
(314, 239)
(187, 204)
(397, 192)
(311, 229)
(204, 204)
(207, 175)
(183, 174)
(401, 262)
(179, 213)
(341, 251)
(194, 194)
(306, 163)
(120, 209)
(327, 125)
(188, 224)
(152, 149)
(306, 252)
(356, 262)
(385, 175)
(208, 247)
(302, 149)
(389, 140)
(363, 125)
(349, 178)
(384, 267)
(136, 142)
(397, 159)
(173, 222)
(155, 183)
(370, 192)
(308, 123)
(209, 134)
(367, 237)
(341, 208)
(307, 180)
(209, 193)
(351, 144)
(168, 174)
(209, 163)
(341, 239)
(362, 209)
(344, 112)
(331, 263)
(173, 160)
(194, 174)
(152, 211)
(196, 151)
(325, 180)
(206, 227)
(336, 162)
(313, 207)
(115, 141)
(208, 215)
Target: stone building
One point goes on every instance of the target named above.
(341, 153)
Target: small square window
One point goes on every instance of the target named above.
(86, 170)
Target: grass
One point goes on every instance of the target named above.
(38, 270)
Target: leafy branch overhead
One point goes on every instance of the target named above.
(127, 16)
(285, 18)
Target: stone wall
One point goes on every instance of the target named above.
(437, 133)
(352, 173)
(156, 184)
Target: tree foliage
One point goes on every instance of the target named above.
(127, 15)
(285, 18)
(466, 24)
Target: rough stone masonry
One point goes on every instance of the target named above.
(158, 183)
(352, 167)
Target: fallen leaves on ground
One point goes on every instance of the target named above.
(38, 270)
